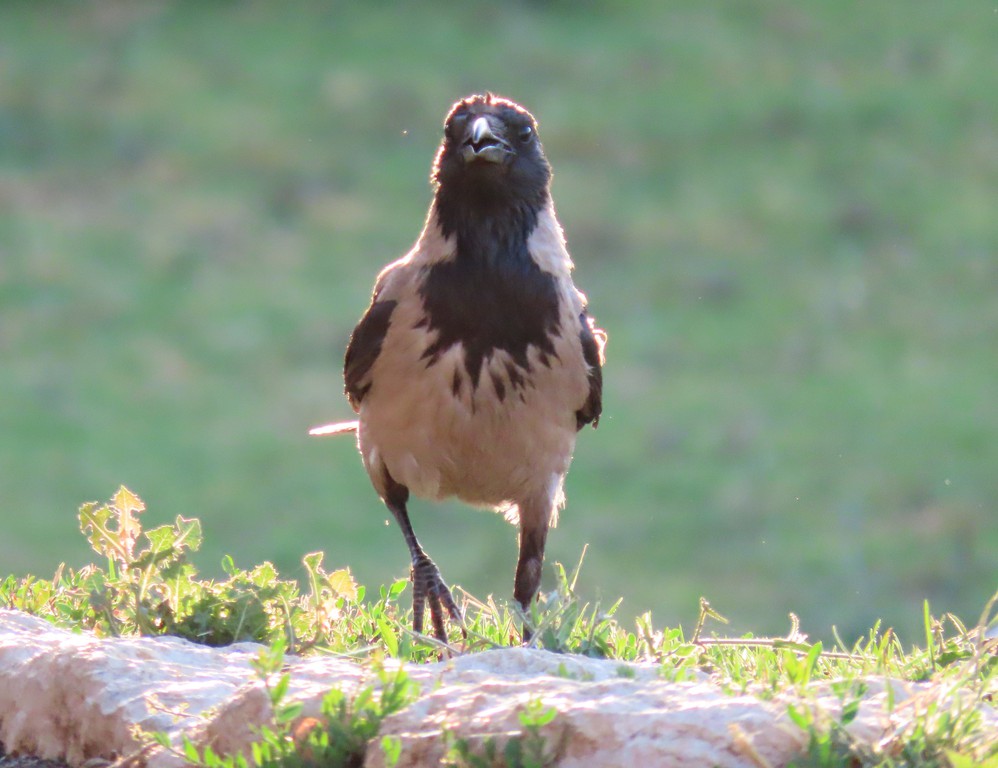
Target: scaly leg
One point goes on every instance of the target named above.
(535, 518)
(533, 537)
(427, 584)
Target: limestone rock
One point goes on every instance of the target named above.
(72, 696)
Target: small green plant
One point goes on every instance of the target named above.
(527, 749)
(940, 726)
(830, 745)
(145, 584)
(339, 737)
(558, 621)
(148, 585)
(349, 724)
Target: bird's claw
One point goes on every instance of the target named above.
(428, 586)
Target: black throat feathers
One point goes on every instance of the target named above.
(492, 295)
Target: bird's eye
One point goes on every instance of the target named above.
(454, 126)
(526, 134)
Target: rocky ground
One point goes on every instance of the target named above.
(10, 761)
(76, 700)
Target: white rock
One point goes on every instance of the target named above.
(72, 696)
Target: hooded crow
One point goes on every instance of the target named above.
(477, 363)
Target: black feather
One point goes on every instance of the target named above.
(471, 195)
(504, 302)
(593, 340)
(364, 348)
(491, 295)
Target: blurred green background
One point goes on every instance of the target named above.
(785, 214)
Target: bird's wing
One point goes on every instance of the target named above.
(364, 348)
(368, 336)
(593, 344)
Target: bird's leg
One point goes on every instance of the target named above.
(428, 585)
(533, 536)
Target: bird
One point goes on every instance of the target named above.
(477, 361)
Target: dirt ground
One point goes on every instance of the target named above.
(10, 761)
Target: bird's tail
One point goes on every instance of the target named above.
(339, 428)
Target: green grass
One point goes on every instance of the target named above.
(783, 214)
(148, 586)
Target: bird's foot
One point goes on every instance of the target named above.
(428, 587)
(526, 626)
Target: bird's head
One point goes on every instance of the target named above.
(490, 157)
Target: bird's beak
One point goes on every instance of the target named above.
(482, 143)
